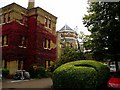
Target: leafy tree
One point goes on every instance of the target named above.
(86, 45)
(68, 54)
(86, 40)
(103, 21)
(71, 54)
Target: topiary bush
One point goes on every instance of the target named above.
(83, 74)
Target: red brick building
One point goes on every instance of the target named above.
(27, 36)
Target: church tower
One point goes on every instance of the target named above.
(31, 4)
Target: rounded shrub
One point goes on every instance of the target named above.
(83, 74)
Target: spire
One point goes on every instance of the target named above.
(31, 4)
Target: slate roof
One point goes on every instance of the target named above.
(66, 28)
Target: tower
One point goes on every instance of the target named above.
(31, 4)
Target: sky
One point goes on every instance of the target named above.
(68, 12)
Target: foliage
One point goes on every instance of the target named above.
(103, 21)
(68, 55)
(86, 40)
(83, 74)
(37, 71)
(5, 72)
(30, 34)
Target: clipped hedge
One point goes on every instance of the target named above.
(83, 74)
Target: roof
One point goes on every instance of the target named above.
(66, 28)
(12, 4)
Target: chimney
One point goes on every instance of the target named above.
(31, 4)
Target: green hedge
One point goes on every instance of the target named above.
(5, 72)
(38, 72)
(83, 74)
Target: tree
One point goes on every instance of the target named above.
(86, 41)
(103, 21)
(86, 45)
(68, 54)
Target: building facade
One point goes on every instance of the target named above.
(27, 36)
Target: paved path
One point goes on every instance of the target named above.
(33, 83)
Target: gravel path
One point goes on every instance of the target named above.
(44, 83)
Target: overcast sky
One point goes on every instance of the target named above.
(68, 12)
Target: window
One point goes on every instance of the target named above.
(49, 43)
(45, 44)
(4, 40)
(0, 40)
(23, 41)
(61, 35)
(49, 23)
(24, 19)
(8, 16)
(4, 20)
(0, 19)
(47, 64)
(45, 22)
(69, 34)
